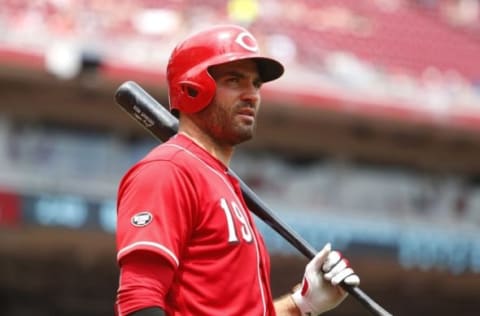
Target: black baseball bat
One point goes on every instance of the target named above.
(141, 106)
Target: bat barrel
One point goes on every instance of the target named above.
(146, 110)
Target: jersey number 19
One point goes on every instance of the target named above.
(237, 212)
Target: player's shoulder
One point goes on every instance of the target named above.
(172, 150)
(173, 154)
(164, 160)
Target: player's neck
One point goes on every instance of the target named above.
(222, 153)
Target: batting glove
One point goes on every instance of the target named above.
(319, 291)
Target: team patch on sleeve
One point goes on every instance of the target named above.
(142, 219)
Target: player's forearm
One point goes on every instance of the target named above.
(285, 306)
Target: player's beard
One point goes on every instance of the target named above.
(225, 125)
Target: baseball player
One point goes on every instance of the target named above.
(187, 243)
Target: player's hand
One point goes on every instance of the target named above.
(319, 291)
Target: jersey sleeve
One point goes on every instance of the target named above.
(144, 282)
(155, 210)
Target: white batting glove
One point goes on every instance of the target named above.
(319, 291)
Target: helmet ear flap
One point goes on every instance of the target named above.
(195, 95)
(190, 89)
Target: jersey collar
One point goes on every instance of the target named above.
(188, 143)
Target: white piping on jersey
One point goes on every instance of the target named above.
(229, 185)
(150, 244)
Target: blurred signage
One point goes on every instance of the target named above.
(10, 209)
(107, 215)
(69, 211)
(422, 246)
(413, 246)
(65, 211)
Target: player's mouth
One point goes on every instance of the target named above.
(248, 117)
(247, 113)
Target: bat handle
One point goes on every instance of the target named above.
(259, 207)
(365, 300)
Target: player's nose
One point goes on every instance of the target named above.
(251, 94)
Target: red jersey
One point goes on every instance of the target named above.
(181, 203)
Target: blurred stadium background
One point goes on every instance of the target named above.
(371, 141)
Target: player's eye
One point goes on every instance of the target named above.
(233, 79)
(258, 83)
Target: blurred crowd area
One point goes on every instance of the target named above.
(400, 220)
(37, 159)
(419, 54)
(48, 178)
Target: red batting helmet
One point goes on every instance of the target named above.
(190, 86)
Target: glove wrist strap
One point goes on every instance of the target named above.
(302, 304)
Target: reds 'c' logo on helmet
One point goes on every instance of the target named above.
(190, 86)
(247, 41)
